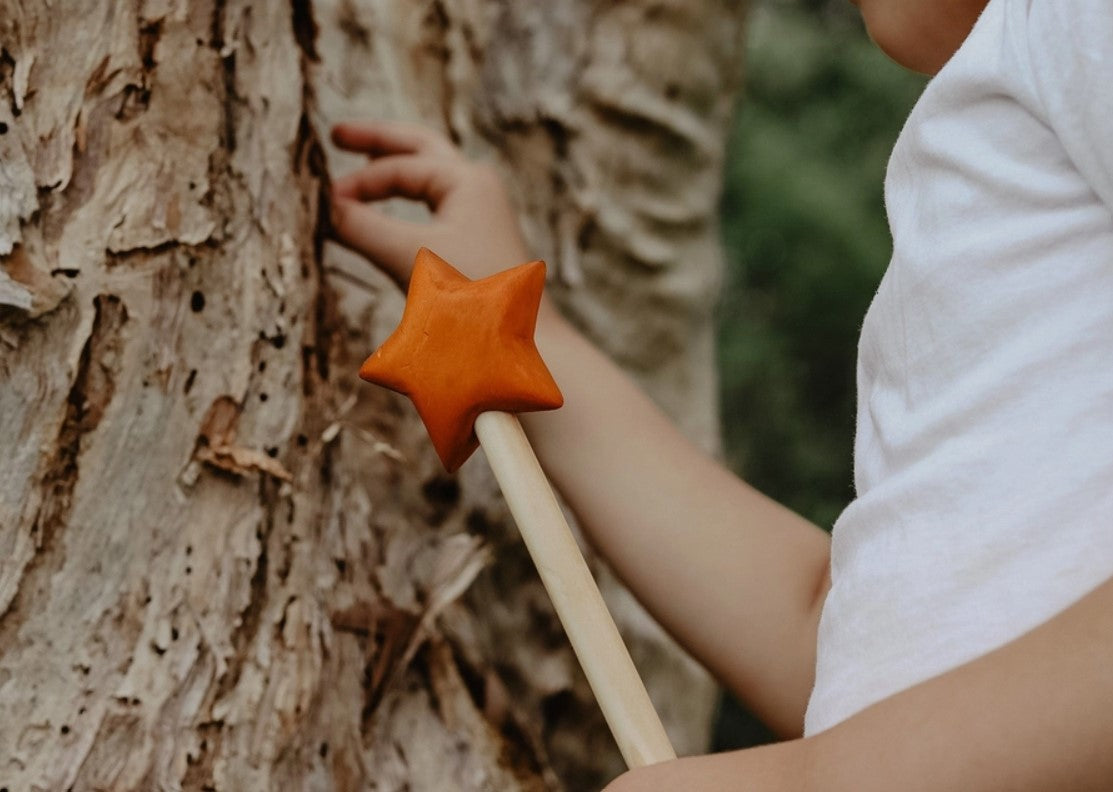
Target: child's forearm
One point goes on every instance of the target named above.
(1035, 715)
(1032, 716)
(737, 578)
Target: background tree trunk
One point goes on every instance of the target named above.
(224, 563)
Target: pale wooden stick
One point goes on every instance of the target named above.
(619, 690)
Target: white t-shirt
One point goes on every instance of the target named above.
(984, 446)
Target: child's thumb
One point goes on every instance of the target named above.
(389, 243)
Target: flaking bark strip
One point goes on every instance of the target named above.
(92, 390)
(251, 617)
(216, 444)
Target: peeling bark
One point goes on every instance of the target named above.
(224, 564)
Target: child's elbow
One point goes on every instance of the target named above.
(641, 779)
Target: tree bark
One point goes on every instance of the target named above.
(226, 564)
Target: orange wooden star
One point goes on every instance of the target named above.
(463, 348)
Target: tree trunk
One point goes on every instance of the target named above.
(225, 564)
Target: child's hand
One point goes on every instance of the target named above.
(473, 225)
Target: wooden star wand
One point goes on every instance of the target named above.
(464, 354)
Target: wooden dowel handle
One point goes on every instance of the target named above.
(592, 632)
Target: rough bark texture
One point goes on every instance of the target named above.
(224, 563)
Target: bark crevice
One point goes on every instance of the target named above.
(93, 386)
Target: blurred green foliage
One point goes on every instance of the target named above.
(806, 244)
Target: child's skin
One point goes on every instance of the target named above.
(920, 34)
(742, 586)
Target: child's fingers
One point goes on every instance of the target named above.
(411, 176)
(389, 242)
(378, 138)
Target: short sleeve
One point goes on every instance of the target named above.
(1071, 49)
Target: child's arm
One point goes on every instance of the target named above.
(1032, 716)
(737, 578)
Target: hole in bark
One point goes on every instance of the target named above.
(189, 549)
(303, 441)
(197, 302)
(477, 523)
(65, 729)
(341, 565)
(189, 570)
(279, 341)
(3, 128)
(134, 101)
(558, 134)
(474, 682)
(272, 451)
(263, 397)
(557, 706)
(349, 24)
(173, 633)
(189, 381)
(323, 750)
(441, 491)
(149, 35)
(583, 239)
(262, 365)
